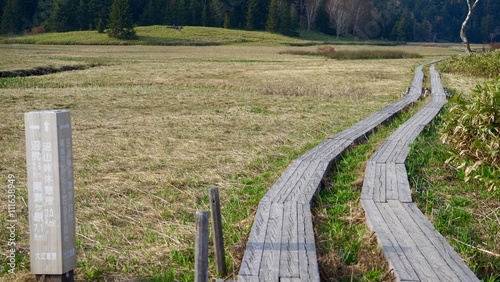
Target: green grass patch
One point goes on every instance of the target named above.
(476, 64)
(162, 35)
(465, 213)
(43, 70)
(346, 249)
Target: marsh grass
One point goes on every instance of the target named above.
(156, 127)
(347, 250)
(357, 54)
(465, 213)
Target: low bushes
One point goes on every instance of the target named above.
(475, 64)
(472, 128)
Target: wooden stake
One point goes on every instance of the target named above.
(220, 257)
(201, 247)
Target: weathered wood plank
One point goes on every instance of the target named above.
(408, 247)
(269, 267)
(298, 181)
(403, 270)
(309, 270)
(403, 184)
(391, 186)
(250, 265)
(434, 261)
(380, 156)
(282, 181)
(289, 260)
(367, 192)
(439, 242)
(380, 182)
(243, 278)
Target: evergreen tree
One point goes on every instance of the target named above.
(170, 17)
(63, 16)
(120, 21)
(322, 21)
(2, 2)
(11, 18)
(195, 12)
(272, 17)
(286, 26)
(83, 16)
(101, 26)
(227, 21)
(182, 13)
(148, 16)
(216, 18)
(251, 14)
(204, 15)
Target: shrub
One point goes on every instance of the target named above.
(475, 64)
(472, 128)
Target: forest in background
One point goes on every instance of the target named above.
(399, 20)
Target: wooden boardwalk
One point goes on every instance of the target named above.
(414, 250)
(281, 245)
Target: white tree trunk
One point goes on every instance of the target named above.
(463, 36)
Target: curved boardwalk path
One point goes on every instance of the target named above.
(414, 250)
(281, 244)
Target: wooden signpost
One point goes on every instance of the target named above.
(51, 194)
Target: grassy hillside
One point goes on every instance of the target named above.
(161, 35)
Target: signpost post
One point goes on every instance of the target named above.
(51, 194)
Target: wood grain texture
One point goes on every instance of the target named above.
(412, 247)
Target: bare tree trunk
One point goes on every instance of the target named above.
(463, 36)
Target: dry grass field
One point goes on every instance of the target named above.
(155, 127)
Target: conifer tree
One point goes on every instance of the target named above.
(195, 12)
(120, 21)
(251, 12)
(272, 17)
(148, 16)
(11, 18)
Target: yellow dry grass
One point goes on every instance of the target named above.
(155, 127)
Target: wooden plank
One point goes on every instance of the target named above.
(269, 267)
(369, 181)
(250, 265)
(393, 157)
(380, 155)
(435, 261)
(403, 184)
(309, 270)
(391, 187)
(305, 192)
(380, 182)
(243, 278)
(297, 181)
(289, 279)
(442, 246)
(408, 246)
(289, 260)
(282, 181)
(403, 270)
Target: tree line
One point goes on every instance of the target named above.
(401, 20)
